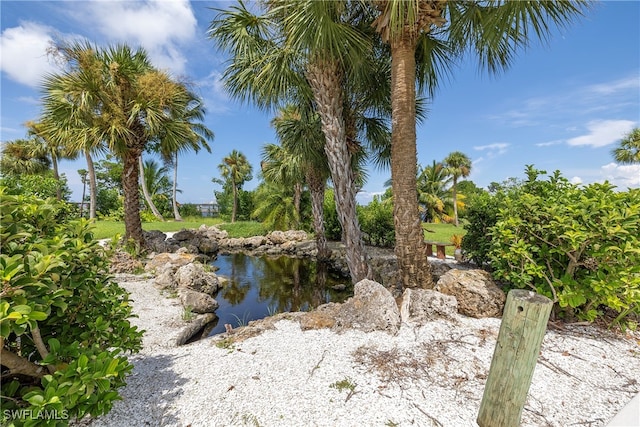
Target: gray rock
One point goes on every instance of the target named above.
(476, 292)
(165, 279)
(254, 242)
(208, 246)
(194, 277)
(372, 308)
(420, 306)
(197, 302)
(184, 235)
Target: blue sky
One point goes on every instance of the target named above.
(563, 105)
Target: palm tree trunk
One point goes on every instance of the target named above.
(176, 212)
(56, 176)
(327, 91)
(84, 190)
(297, 196)
(145, 192)
(93, 186)
(235, 203)
(455, 201)
(130, 177)
(316, 188)
(410, 250)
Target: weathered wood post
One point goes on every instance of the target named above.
(524, 323)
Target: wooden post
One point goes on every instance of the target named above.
(524, 323)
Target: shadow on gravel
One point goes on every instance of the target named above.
(147, 399)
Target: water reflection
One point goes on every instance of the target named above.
(259, 287)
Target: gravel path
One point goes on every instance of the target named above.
(428, 376)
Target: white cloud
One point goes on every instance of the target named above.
(161, 27)
(576, 180)
(492, 150)
(624, 84)
(549, 143)
(603, 133)
(24, 53)
(622, 176)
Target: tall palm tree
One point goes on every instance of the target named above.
(436, 32)
(114, 96)
(628, 153)
(457, 165)
(83, 177)
(311, 47)
(235, 170)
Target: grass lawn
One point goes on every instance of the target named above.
(108, 229)
(442, 233)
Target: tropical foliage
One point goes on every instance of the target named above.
(580, 246)
(628, 152)
(235, 170)
(114, 98)
(64, 327)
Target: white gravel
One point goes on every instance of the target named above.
(428, 376)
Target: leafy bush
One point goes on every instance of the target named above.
(333, 229)
(376, 223)
(63, 322)
(189, 210)
(481, 214)
(579, 246)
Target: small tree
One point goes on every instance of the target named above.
(235, 170)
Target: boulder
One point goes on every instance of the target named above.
(184, 235)
(476, 292)
(276, 237)
(420, 306)
(165, 279)
(123, 262)
(164, 260)
(213, 233)
(295, 235)
(194, 277)
(208, 246)
(197, 302)
(254, 242)
(155, 240)
(372, 308)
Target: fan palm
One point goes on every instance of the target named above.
(24, 156)
(436, 32)
(299, 50)
(628, 153)
(169, 148)
(300, 134)
(235, 170)
(433, 194)
(114, 96)
(457, 165)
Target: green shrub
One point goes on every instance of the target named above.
(376, 223)
(481, 214)
(332, 227)
(189, 210)
(63, 322)
(579, 246)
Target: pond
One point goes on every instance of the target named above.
(262, 286)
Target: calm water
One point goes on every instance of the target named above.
(260, 287)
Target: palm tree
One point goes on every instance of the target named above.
(24, 156)
(280, 167)
(169, 148)
(628, 153)
(457, 165)
(276, 206)
(300, 134)
(144, 184)
(304, 46)
(436, 32)
(114, 96)
(83, 177)
(235, 170)
(433, 194)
